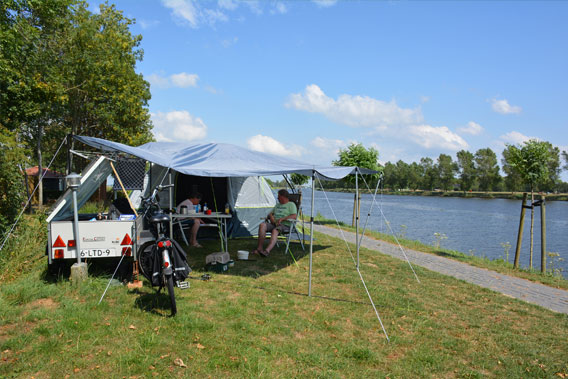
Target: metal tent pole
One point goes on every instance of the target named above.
(171, 190)
(311, 234)
(357, 214)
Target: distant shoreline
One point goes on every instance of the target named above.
(461, 194)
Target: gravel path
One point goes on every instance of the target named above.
(522, 289)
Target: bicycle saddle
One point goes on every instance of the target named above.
(159, 217)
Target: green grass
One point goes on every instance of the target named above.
(498, 265)
(256, 320)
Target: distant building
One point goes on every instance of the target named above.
(53, 183)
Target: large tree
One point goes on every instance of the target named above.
(466, 169)
(447, 170)
(390, 176)
(66, 70)
(31, 88)
(513, 181)
(430, 174)
(550, 181)
(414, 175)
(106, 97)
(487, 169)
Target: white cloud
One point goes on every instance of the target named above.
(436, 137)
(184, 80)
(229, 42)
(254, 7)
(181, 80)
(503, 107)
(196, 13)
(472, 128)
(178, 126)
(279, 8)
(515, 138)
(353, 111)
(211, 16)
(327, 143)
(148, 24)
(325, 3)
(268, 144)
(228, 4)
(183, 10)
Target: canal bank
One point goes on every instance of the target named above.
(521, 289)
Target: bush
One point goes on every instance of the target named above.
(12, 159)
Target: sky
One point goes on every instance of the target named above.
(304, 79)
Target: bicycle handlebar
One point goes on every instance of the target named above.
(152, 197)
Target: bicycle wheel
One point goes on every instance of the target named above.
(170, 285)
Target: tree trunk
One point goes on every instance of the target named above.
(532, 228)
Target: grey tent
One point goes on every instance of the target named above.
(223, 173)
(219, 160)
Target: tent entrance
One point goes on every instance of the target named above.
(212, 190)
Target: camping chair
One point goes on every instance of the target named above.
(296, 198)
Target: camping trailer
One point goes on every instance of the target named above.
(115, 236)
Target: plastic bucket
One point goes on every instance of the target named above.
(242, 254)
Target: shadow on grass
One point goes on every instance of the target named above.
(257, 266)
(154, 302)
(101, 268)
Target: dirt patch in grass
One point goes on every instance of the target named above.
(46, 303)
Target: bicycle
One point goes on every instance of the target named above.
(162, 261)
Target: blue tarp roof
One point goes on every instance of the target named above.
(219, 159)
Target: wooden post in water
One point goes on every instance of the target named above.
(520, 235)
(542, 236)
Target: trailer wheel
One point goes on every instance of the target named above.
(56, 268)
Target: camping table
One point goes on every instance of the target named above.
(219, 216)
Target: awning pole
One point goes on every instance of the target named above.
(171, 206)
(311, 234)
(357, 214)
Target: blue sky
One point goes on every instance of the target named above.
(306, 78)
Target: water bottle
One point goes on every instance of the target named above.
(205, 207)
(227, 209)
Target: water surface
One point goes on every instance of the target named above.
(482, 227)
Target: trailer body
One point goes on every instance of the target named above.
(98, 238)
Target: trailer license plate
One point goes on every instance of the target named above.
(93, 253)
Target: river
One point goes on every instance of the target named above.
(481, 227)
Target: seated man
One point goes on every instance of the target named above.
(284, 210)
(194, 223)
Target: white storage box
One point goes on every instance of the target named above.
(220, 257)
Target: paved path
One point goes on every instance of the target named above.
(547, 297)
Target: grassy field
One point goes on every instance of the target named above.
(256, 320)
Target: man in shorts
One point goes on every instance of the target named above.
(194, 223)
(276, 222)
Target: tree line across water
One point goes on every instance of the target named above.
(532, 165)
